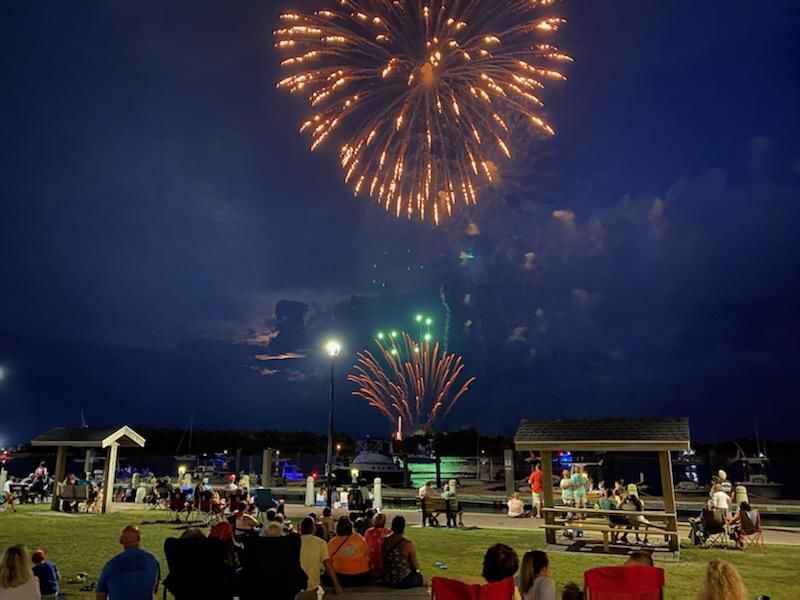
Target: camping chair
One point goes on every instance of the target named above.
(272, 562)
(624, 583)
(178, 504)
(443, 588)
(264, 499)
(750, 534)
(186, 559)
(716, 533)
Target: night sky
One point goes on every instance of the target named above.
(169, 246)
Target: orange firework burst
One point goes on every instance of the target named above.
(424, 88)
(410, 380)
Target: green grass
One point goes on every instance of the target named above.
(85, 542)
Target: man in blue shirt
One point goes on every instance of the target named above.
(130, 575)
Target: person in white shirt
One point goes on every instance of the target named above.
(516, 507)
(721, 500)
(17, 581)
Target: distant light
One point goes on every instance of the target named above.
(416, 349)
(394, 351)
(393, 334)
(333, 348)
(427, 337)
(380, 335)
(428, 321)
(419, 318)
(2, 373)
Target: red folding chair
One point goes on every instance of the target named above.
(452, 589)
(624, 583)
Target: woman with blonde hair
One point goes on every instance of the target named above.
(16, 575)
(722, 582)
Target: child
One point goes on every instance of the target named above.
(47, 573)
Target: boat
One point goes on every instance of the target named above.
(686, 467)
(754, 475)
(186, 458)
(374, 458)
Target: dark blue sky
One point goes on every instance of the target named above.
(157, 204)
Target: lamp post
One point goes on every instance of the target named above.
(332, 348)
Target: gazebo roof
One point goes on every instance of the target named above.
(89, 437)
(604, 434)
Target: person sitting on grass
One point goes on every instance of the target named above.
(535, 582)
(500, 562)
(243, 521)
(516, 507)
(722, 581)
(374, 538)
(314, 557)
(131, 575)
(47, 574)
(639, 558)
(349, 555)
(17, 581)
(400, 564)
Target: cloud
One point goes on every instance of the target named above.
(566, 218)
(284, 356)
(265, 372)
(518, 334)
(656, 213)
(584, 298)
(530, 259)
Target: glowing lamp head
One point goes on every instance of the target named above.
(427, 337)
(380, 335)
(333, 348)
(428, 321)
(418, 318)
(393, 334)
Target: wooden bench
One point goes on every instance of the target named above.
(73, 493)
(432, 507)
(606, 530)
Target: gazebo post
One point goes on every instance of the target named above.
(109, 472)
(668, 492)
(547, 493)
(58, 475)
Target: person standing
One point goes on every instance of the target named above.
(578, 480)
(131, 575)
(721, 500)
(566, 489)
(536, 490)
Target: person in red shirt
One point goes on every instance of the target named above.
(374, 538)
(536, 489)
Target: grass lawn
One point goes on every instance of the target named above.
(85, 542)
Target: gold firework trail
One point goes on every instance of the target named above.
(422, 90)
(415, 381)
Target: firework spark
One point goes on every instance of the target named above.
(424, 90)
(415, 381)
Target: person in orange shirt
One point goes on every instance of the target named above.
(349, 555)
(536, 490)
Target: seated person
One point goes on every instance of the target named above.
(349, 555)
(746, 521)
(516, 507)
(328, 524)
(364, 522)
(374, 538)
(535, 582)
(400, 564)
(639, 558)
(47, 574)
(243, 521)
(449, 494)
(70, 505)
(314, 557)
(500, 562)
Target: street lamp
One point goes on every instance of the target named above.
(333, 348)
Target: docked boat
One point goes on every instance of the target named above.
(687, 467)
(755, 477)
(374, 458)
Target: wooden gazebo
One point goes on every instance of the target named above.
(662, 436)
(108, 438)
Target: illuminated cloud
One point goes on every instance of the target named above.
(284, 356)
(530, 259)
(566, 218)
(472, 230)
(656, 213)
(518, 334)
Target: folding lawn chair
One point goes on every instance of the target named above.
(443, 588)
(197, 569)
(716, 534)
(624, 583)
(750, 534)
